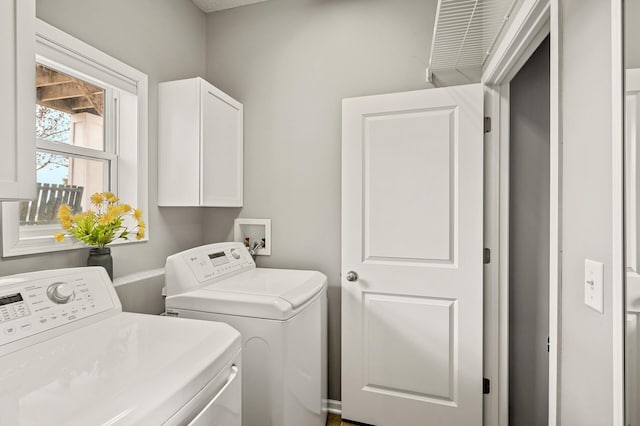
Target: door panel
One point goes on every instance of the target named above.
(426, 346)
(406, 177)
(412, 230)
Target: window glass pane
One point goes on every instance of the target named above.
(68, 110)
(63, 179)
(52, 125)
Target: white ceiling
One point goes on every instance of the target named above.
(216, 5)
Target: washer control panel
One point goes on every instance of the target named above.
(37, 302)
(12, 306)
(216, 261)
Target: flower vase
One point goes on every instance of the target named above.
(101, 257)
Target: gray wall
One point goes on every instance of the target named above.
(291, 62)
(586, 360)
(529, 242)
(632, 34)
(166, 40)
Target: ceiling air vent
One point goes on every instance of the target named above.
(464, 34)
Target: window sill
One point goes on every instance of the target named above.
(49, 245)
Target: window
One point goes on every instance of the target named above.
(91, 121)
(72, 159)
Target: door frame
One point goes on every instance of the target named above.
(530, 26)
(618, 287)
(511, 53)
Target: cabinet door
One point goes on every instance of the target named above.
(17, 109)
(222, 149)
(179, 143)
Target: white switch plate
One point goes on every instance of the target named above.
(594, 285)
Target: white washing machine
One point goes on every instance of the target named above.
(281, 315)
(69, 355)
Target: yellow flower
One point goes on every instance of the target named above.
(114, 210)
(64, 212)
(102, 223)
(110, 197)
(96, 198)
(106, 219)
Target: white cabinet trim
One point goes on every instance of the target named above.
(18, 142)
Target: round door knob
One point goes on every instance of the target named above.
(352, 276)
(60, 293)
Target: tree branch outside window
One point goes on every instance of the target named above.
(55, 126)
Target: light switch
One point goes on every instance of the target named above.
(594, 285)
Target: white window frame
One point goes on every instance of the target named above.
(129, 158)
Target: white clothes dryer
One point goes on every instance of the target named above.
(69, 355)
(281, 315)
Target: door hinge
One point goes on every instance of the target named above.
(486, 256)
(548, 344)
(487, 124)
(486, 386)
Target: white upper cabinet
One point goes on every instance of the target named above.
(200, 145)
(17, 109)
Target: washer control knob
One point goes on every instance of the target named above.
(235, 254)
(60, 293)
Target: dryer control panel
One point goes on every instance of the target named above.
(204, 265)
(34, 303)
(216, 262)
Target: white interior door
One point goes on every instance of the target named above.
(412, 203)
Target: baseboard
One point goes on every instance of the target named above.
(334, 407)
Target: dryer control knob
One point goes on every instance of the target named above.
(60, 293)
(235, 254)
